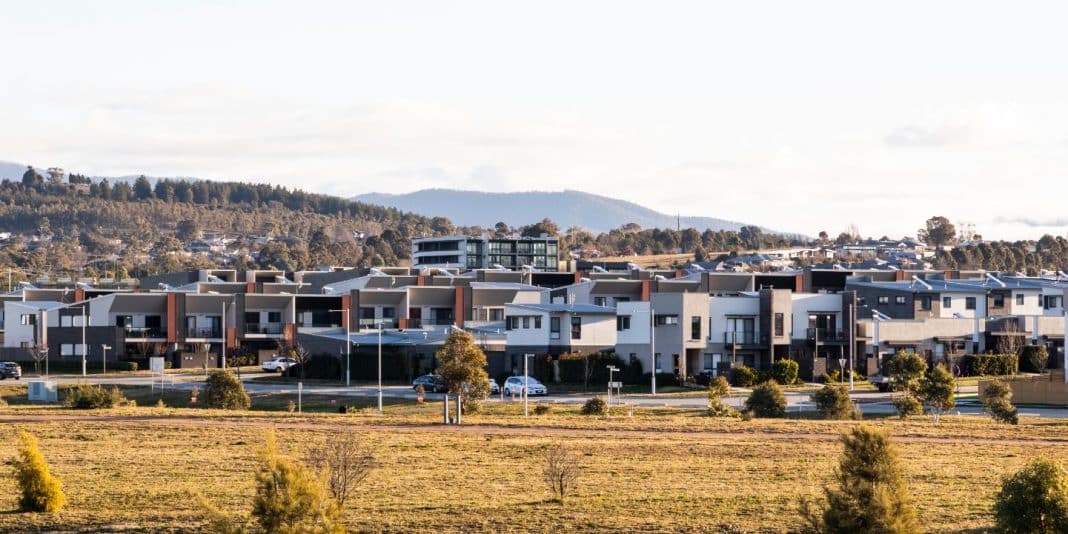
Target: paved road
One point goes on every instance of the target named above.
(870, 402)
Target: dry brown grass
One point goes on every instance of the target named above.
(659, 470)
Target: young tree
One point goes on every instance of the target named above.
(39, 490)
(561, 471)
(343, 461)
(939, 231)
(870, 494)
(462, 365)
(718, 388)
(937, 391)
(832, 402)
(905, 369)
(1034, 500)
(767, 400)
(997, 402)
(225, 391)
(290, 498)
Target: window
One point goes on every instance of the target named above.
(367, 313)
(537, 322)
(947, 302)
(1050, 302)
(862, 301)
(622, 323)
(276, 317)
(1019, 299)
(883, 299)
(925, 302)
(387, 313)
(664, 320)
(695, 327)
(969, 303)
(576, 328)
(125, 321)
(526, 323)
(252, 317)
(599, 301)
(900, 299)
(28, 318)
(513, 323)
(780, 326)
(554, 328)
(999, 300)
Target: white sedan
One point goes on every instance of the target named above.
(278, 364)
(514, 386)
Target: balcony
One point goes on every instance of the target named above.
(826, 336)
(743, 338)
(204, 333)
(270, 329)
(144, 333)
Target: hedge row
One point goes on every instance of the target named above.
(988, 364)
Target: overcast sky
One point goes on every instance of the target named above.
(802, 116)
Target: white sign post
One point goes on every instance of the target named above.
(155, 364)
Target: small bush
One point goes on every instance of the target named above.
(906, 404)
(832, 402)
(718, 387)
(595, 406)
(561, 471)
(39, 491)
(997, 402)
(989, 364)
(832, 377)
(290, 497)
(1034, 500)
(226, 392)
(542, 409)
(92, 397)
(3, 403)
(1034, 358)
(718, 408)
(785, 372)
(767, 400)
(743, 376)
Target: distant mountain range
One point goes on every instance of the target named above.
(595, 213)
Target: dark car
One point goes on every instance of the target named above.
(430, 383)
(10, 370)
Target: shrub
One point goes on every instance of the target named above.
(937, 390)
(718, 387)
(595, 406)
(39, 491)
(767, 400)
(743, 376)
(989, 364)
(225, 391)
(906, 404)
(343, 461)
(997, 402)
(905, 369)
(785, 372)
(1034, 358)
(91, 397)
(3, 403)
(561, 471)
(832, 402)
(832, 376)
(718, 408)
(542, 409)
(870, 494)
(1034, 499)
(290, 498)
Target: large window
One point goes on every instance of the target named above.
(554, 328)
(576, 327)
(969, 303)
(780, 326)
(1019, 299)
(947, 302)
(925, 302)
(665, 320)
(998, 300)
(252, 317)
(622, 323)
(695, 327)
(274, 317)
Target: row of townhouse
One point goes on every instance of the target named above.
(685, 321)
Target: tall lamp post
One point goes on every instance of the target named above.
(85, 347)
(348, 345)
(526, 382)
(104, 359)
(652, 348)
(379, 323)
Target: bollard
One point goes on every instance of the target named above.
(446, 412)
(459, 410)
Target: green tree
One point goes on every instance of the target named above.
(767, 400)
(870, 494)
(1034, 500)
(187, 230)
(905, 369)
(545, 226)
(936, 390)
(997, 402)
(939, 231)
(39, 490)
(290, 498)
(832, 402)
(225, 391)
(142, 188)
(31, 178)
(462, 366)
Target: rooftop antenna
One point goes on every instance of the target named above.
(995, 279)
(918, 280)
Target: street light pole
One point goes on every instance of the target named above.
(379, 366)
(223, 323)
(85, 348)
(526, 383)
(652, 348)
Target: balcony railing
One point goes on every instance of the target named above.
(824, 335)
(270, 329)
(742, 338)
(204, 333)
(145, 333)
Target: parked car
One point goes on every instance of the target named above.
(278, 364)
(430, 383)
(10, 370)
(514, 386)
(494, 388)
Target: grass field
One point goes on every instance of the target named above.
(137, 469)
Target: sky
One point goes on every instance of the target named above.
(800, 116)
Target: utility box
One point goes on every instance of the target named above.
(43, 391)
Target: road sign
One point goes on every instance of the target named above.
(155, 364)
(616, 385)
(841, 362)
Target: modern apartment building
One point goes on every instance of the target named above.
(467, 253)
